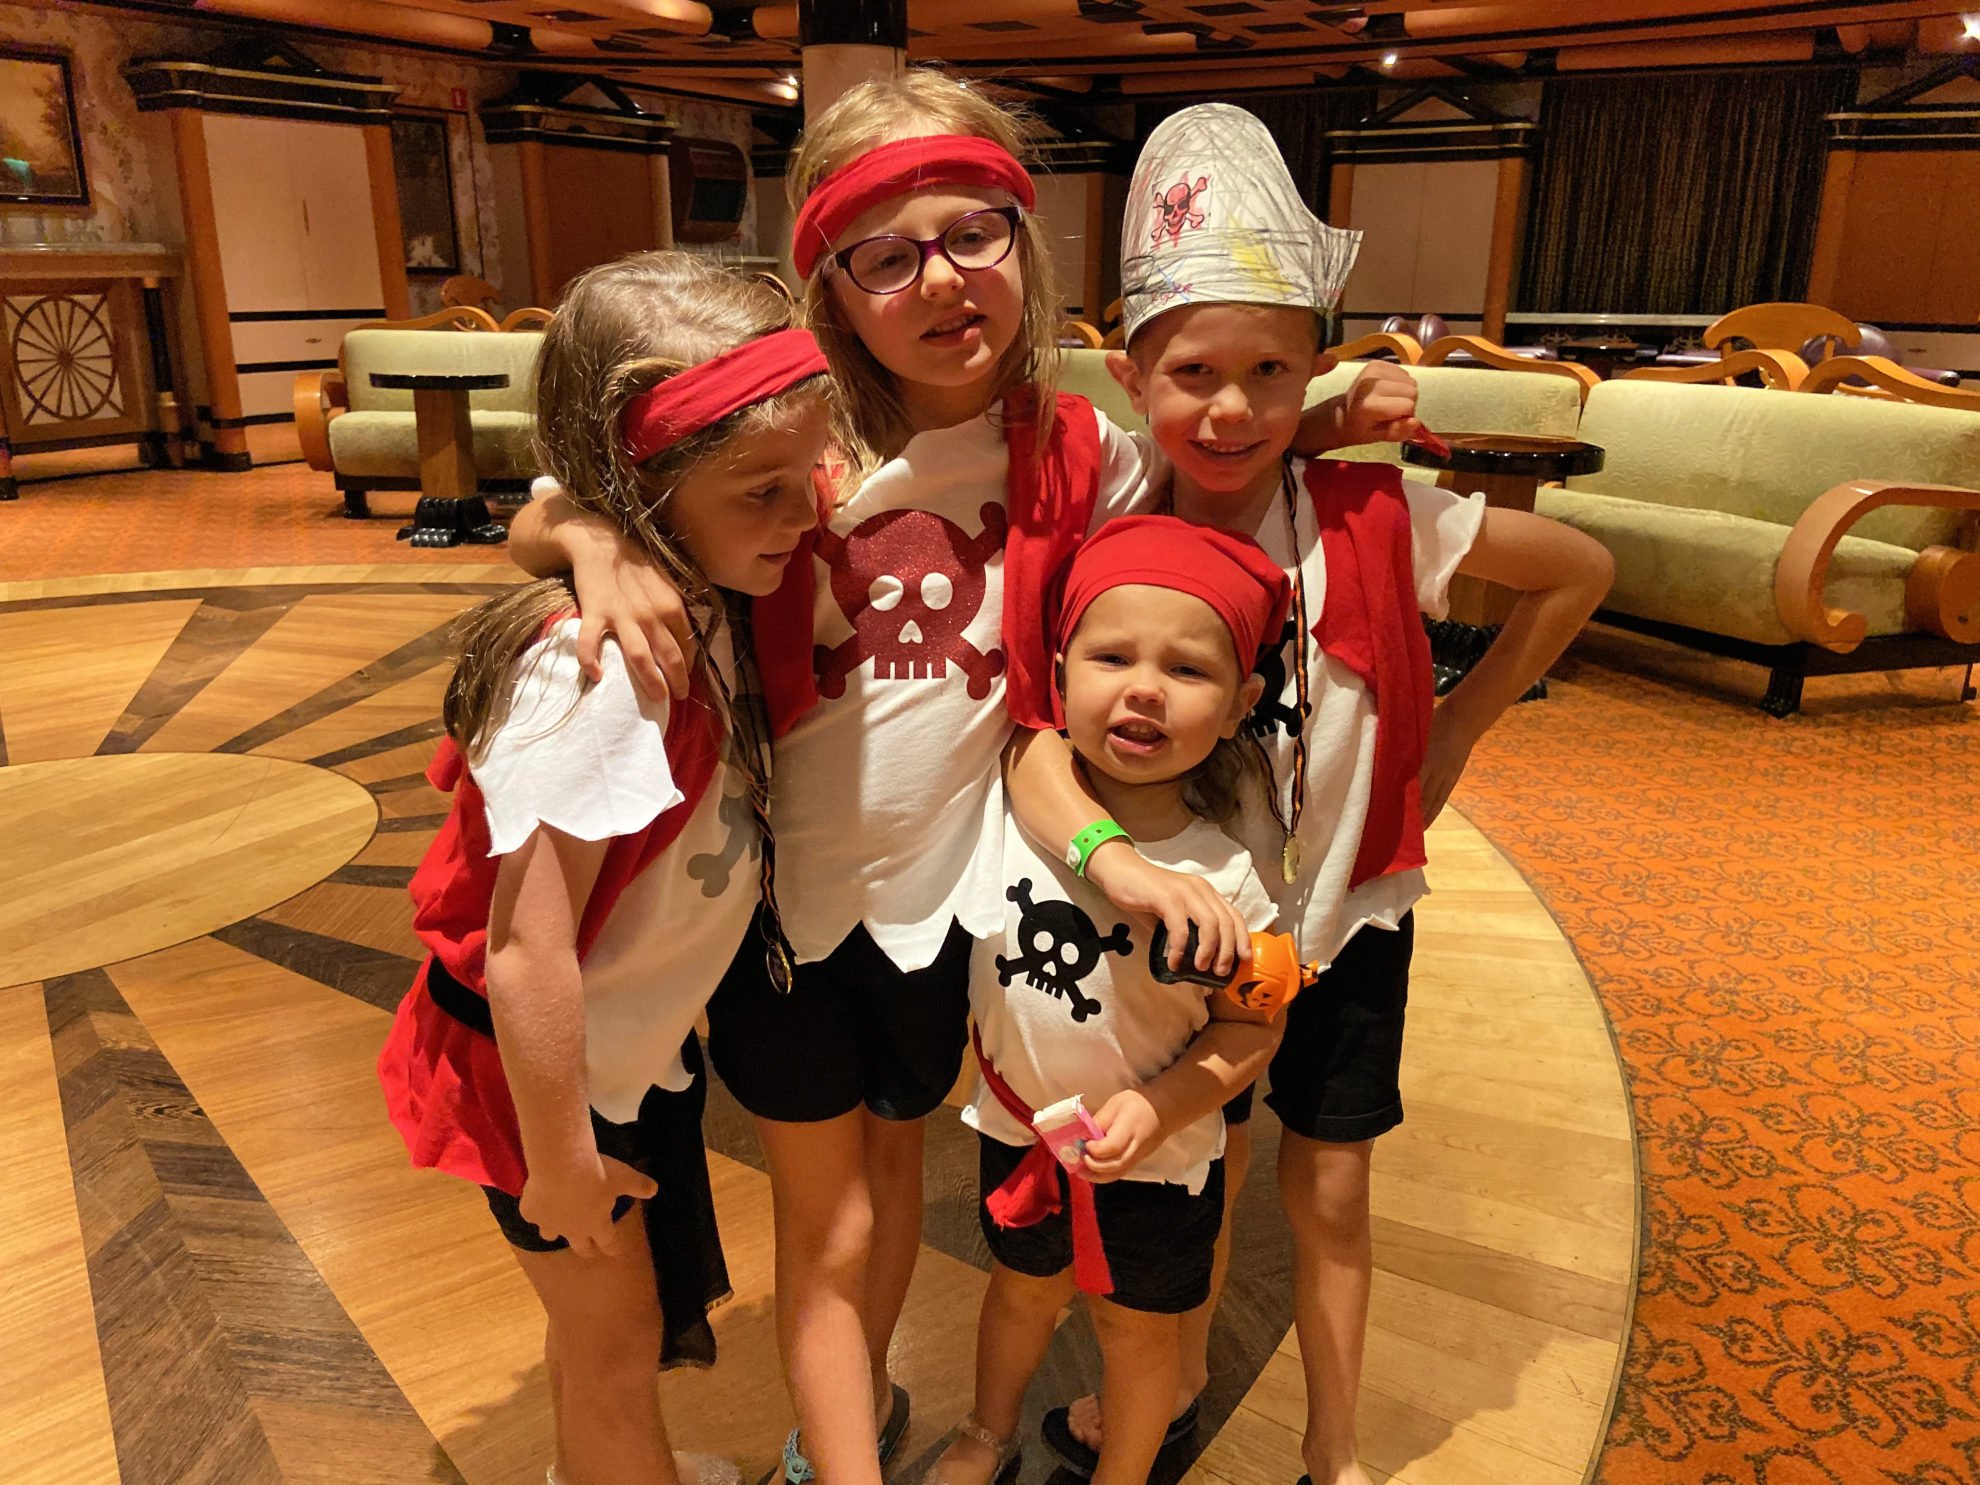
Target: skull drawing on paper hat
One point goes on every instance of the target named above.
(1213, 217)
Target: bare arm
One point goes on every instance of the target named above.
(1562, 576)
(1380, 407)
(536, 997)
(1052, 802)
(1226, 1056)
(620, 591)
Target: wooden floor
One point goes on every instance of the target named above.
(219, 1268)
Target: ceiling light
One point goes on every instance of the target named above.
(1389, 59)
(1972, 24)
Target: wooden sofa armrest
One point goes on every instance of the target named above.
(1501, 359)
(1405, 348)
(1780, 370)
(455, 317)
(320, 398)
(1888, 378)
(1079, 332)
(530, 317)
(1943, 598)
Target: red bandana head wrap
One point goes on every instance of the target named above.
(703, 395)
(1246, 588)
(890, 169)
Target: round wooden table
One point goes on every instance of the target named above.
(1602, 354)
(450, 509)
(1506, 468)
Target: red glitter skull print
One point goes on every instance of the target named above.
(910, 583)
(1176, 209)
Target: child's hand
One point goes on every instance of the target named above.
(1380, 406)
(1134, 1132)
(1444, 759)
(1134, 884)
(622, 592)
(575, 1201)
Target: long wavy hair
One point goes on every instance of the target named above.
(874, 422)
(622, 328)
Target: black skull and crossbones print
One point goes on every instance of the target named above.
(1060, 948)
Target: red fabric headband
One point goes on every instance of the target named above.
(703, 395)
(890, 169)
(1231, 573)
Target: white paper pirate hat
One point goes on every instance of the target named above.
(1213, 217)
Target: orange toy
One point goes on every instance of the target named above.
(1267, 984)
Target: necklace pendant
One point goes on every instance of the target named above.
(1289, 862)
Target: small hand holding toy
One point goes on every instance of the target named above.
(1268, 983)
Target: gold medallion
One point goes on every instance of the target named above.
(1289, 862)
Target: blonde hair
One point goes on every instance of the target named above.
(622, 328)
(874, 425)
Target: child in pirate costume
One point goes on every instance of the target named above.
(574, 907)
(1156, 640)
(1226, 305)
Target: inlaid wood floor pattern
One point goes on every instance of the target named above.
(219, 1268)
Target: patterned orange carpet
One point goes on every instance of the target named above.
(286, 515)
(1783, 921)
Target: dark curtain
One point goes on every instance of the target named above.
(1688, 194)
(1299, 121)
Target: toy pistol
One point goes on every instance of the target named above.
(1267, 984)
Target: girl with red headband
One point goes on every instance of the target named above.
(967, 483)
(603, 858)
(1156, 643)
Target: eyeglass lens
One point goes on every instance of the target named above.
(886, 265)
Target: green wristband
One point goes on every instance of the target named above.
(1091, 839)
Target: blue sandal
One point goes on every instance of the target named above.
(797, 1470)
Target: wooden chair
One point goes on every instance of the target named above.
(1485, 353)
(319, 398)
(1079, 333)
(530, 317)
(459, 317)
(772, 281)
(1405, 348)
(1780, 326)
(1115, 321)
(1886, 379)
(1781, 370)
(466, 290)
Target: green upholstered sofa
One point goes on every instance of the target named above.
(365, 436)
(1813, 535)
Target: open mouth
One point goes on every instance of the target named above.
(954, 330)
(1137, 738)
(1227, 450)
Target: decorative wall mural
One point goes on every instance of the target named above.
(40, 147)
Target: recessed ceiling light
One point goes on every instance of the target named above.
(1972, 24)
(1389, 59)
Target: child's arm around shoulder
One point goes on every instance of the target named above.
(1378, 407)
(536, 997)
(1052, 804)
(621, 592)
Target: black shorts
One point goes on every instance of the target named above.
(663, 1141)
(853, 1030)
(1160, 1241)
(1337, 1074)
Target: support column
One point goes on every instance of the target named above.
(216, 336)
(1507, 213)
(1831, 226)
(536, 219)
(386, 223)
(661, 167)
(1340, 196)
(1093, 266)
(846, 42)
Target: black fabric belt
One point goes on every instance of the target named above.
(463, 1004)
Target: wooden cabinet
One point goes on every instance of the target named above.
(292, 201)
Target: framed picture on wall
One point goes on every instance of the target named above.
(426, 193)
(41, 158)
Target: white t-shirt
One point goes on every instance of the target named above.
(591, 761)
(888, 791)
(1064, 1001)
(1318, 909)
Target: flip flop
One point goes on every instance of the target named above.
(1081, 1460)
(796, 1469)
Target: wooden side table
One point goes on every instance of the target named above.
(1506, 468)
(450, 509)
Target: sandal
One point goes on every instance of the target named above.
(1009, 1452)
(1080, 1459)
(797, 1470)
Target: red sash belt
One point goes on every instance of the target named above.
(1030, 1193)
